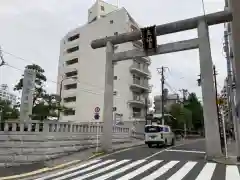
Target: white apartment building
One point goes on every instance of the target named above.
(82, 69)
(5, 94)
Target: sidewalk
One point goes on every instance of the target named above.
(61, 162)
(231, 158)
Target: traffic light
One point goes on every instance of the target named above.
(149, 38)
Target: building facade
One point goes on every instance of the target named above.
(170, 99)
(5, 94)
(81, 73)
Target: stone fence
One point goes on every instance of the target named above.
(27, 142)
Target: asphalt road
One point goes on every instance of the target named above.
(173, 163)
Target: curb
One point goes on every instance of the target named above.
(40, 171)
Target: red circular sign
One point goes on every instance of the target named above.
(97, 109)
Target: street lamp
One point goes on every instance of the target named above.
(60, 93)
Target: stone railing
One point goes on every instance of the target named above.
(26, 142)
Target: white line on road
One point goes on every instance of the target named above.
(69, 170)
(85, 170)
(121, 170)
(181, 173)
(207, 172)
(139, 170)
(160, 171)
(102, 170)
(232, 173)
(181, 150)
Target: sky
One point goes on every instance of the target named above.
(30, 32)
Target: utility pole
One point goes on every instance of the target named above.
(184, 93)
(2, 62)
(161, 72)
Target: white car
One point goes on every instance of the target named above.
(159, 135)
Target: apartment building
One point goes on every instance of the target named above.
(5, 94)
(81, 73)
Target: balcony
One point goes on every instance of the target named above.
(140, 69)
(146, 60)
(139, 85)
(137, 100)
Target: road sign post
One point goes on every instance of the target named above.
(96, 117)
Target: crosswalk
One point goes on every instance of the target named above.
(127, 169)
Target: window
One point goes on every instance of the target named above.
(74, 37)
(166, 129)
(136, 112)
(116, 33)
(70, 99)
(72, 61)
(70, 86)
(136, 96)
(153, 129)
(69, 112)
(115, 77)
(73, 49)
(102, 8)
(71, 74)
(111, 21)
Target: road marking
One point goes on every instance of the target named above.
(139, 170)
(69, 170)
(181, 173)
(170, 148)
(102, 170)
(121, 170)
(181, 150)
(232, 173)
(161, 171)
(207, 172)
(85, 170)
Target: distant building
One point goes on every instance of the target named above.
(81, 72)
(169, 101)
(5, 94)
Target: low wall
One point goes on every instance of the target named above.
(35, 141)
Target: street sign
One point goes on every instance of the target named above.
(149, 38)
(97, 109)
(96, 116)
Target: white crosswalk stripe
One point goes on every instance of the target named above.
(183, 171)
(207, 172)
(147, 170)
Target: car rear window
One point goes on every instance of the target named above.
(153, 129)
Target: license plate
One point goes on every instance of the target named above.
(152, 137)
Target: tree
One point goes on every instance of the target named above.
(44, 105)
(8, 111)
(182, 115)
(196, 109)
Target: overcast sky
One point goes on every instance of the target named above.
(32, 29)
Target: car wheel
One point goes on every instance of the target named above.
(165, 143)
(173, 142)
(150, 145)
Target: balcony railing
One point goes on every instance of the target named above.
(140, 69)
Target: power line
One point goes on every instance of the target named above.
(84, 90)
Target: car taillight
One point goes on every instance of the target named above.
(161, 135)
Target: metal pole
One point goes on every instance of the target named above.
(213, 147)
(106, 140)
(216, 90)
(163, 98)
(146, 109)
(60, 100)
